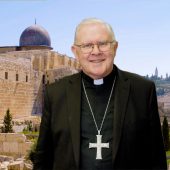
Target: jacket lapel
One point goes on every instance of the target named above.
(74, 104)
(121, 94)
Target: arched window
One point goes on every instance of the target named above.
(17, 77)
(6, 75)
(26, 79)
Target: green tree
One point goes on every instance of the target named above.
(32, 151)
(7, 128)
(165, 131)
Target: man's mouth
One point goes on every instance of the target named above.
(97, 61)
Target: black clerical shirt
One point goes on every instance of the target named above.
(98, 96)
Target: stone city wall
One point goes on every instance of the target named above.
(12, 66)
(14, 144)
(21, 90)
(23, 96)
(17, 97)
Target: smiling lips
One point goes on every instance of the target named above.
(97, 61)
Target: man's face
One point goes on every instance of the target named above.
(96, 64)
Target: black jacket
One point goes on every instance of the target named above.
(137, 138)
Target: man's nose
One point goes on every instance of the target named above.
(95, 49)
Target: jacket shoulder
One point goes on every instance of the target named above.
(136, 78)
(61, 84)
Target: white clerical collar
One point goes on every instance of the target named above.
(98, 82)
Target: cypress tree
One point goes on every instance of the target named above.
(165, 131)
(7, 122)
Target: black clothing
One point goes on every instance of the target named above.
(137, 140)
(98, 96)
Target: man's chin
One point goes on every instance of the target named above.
(98, 75)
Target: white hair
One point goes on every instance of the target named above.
(93, 21)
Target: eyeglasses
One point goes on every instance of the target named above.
(102, 46)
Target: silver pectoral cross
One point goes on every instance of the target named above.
(99, 145)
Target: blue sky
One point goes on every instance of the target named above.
(142, 27)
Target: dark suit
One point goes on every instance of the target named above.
(137, 139)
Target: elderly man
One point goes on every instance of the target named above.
(101, 118)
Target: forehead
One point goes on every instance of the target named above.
(92, 32)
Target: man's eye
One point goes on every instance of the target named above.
(87, 46)
(102, 43)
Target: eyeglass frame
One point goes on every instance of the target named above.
(92, 46)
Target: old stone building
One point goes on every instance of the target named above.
(25, 69)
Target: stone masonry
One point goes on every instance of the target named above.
(23, 75)
(14, 144)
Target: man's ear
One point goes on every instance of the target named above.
(115, 46)
(74, 51)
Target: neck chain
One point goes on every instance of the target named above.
(99, 145)
(99, 129)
